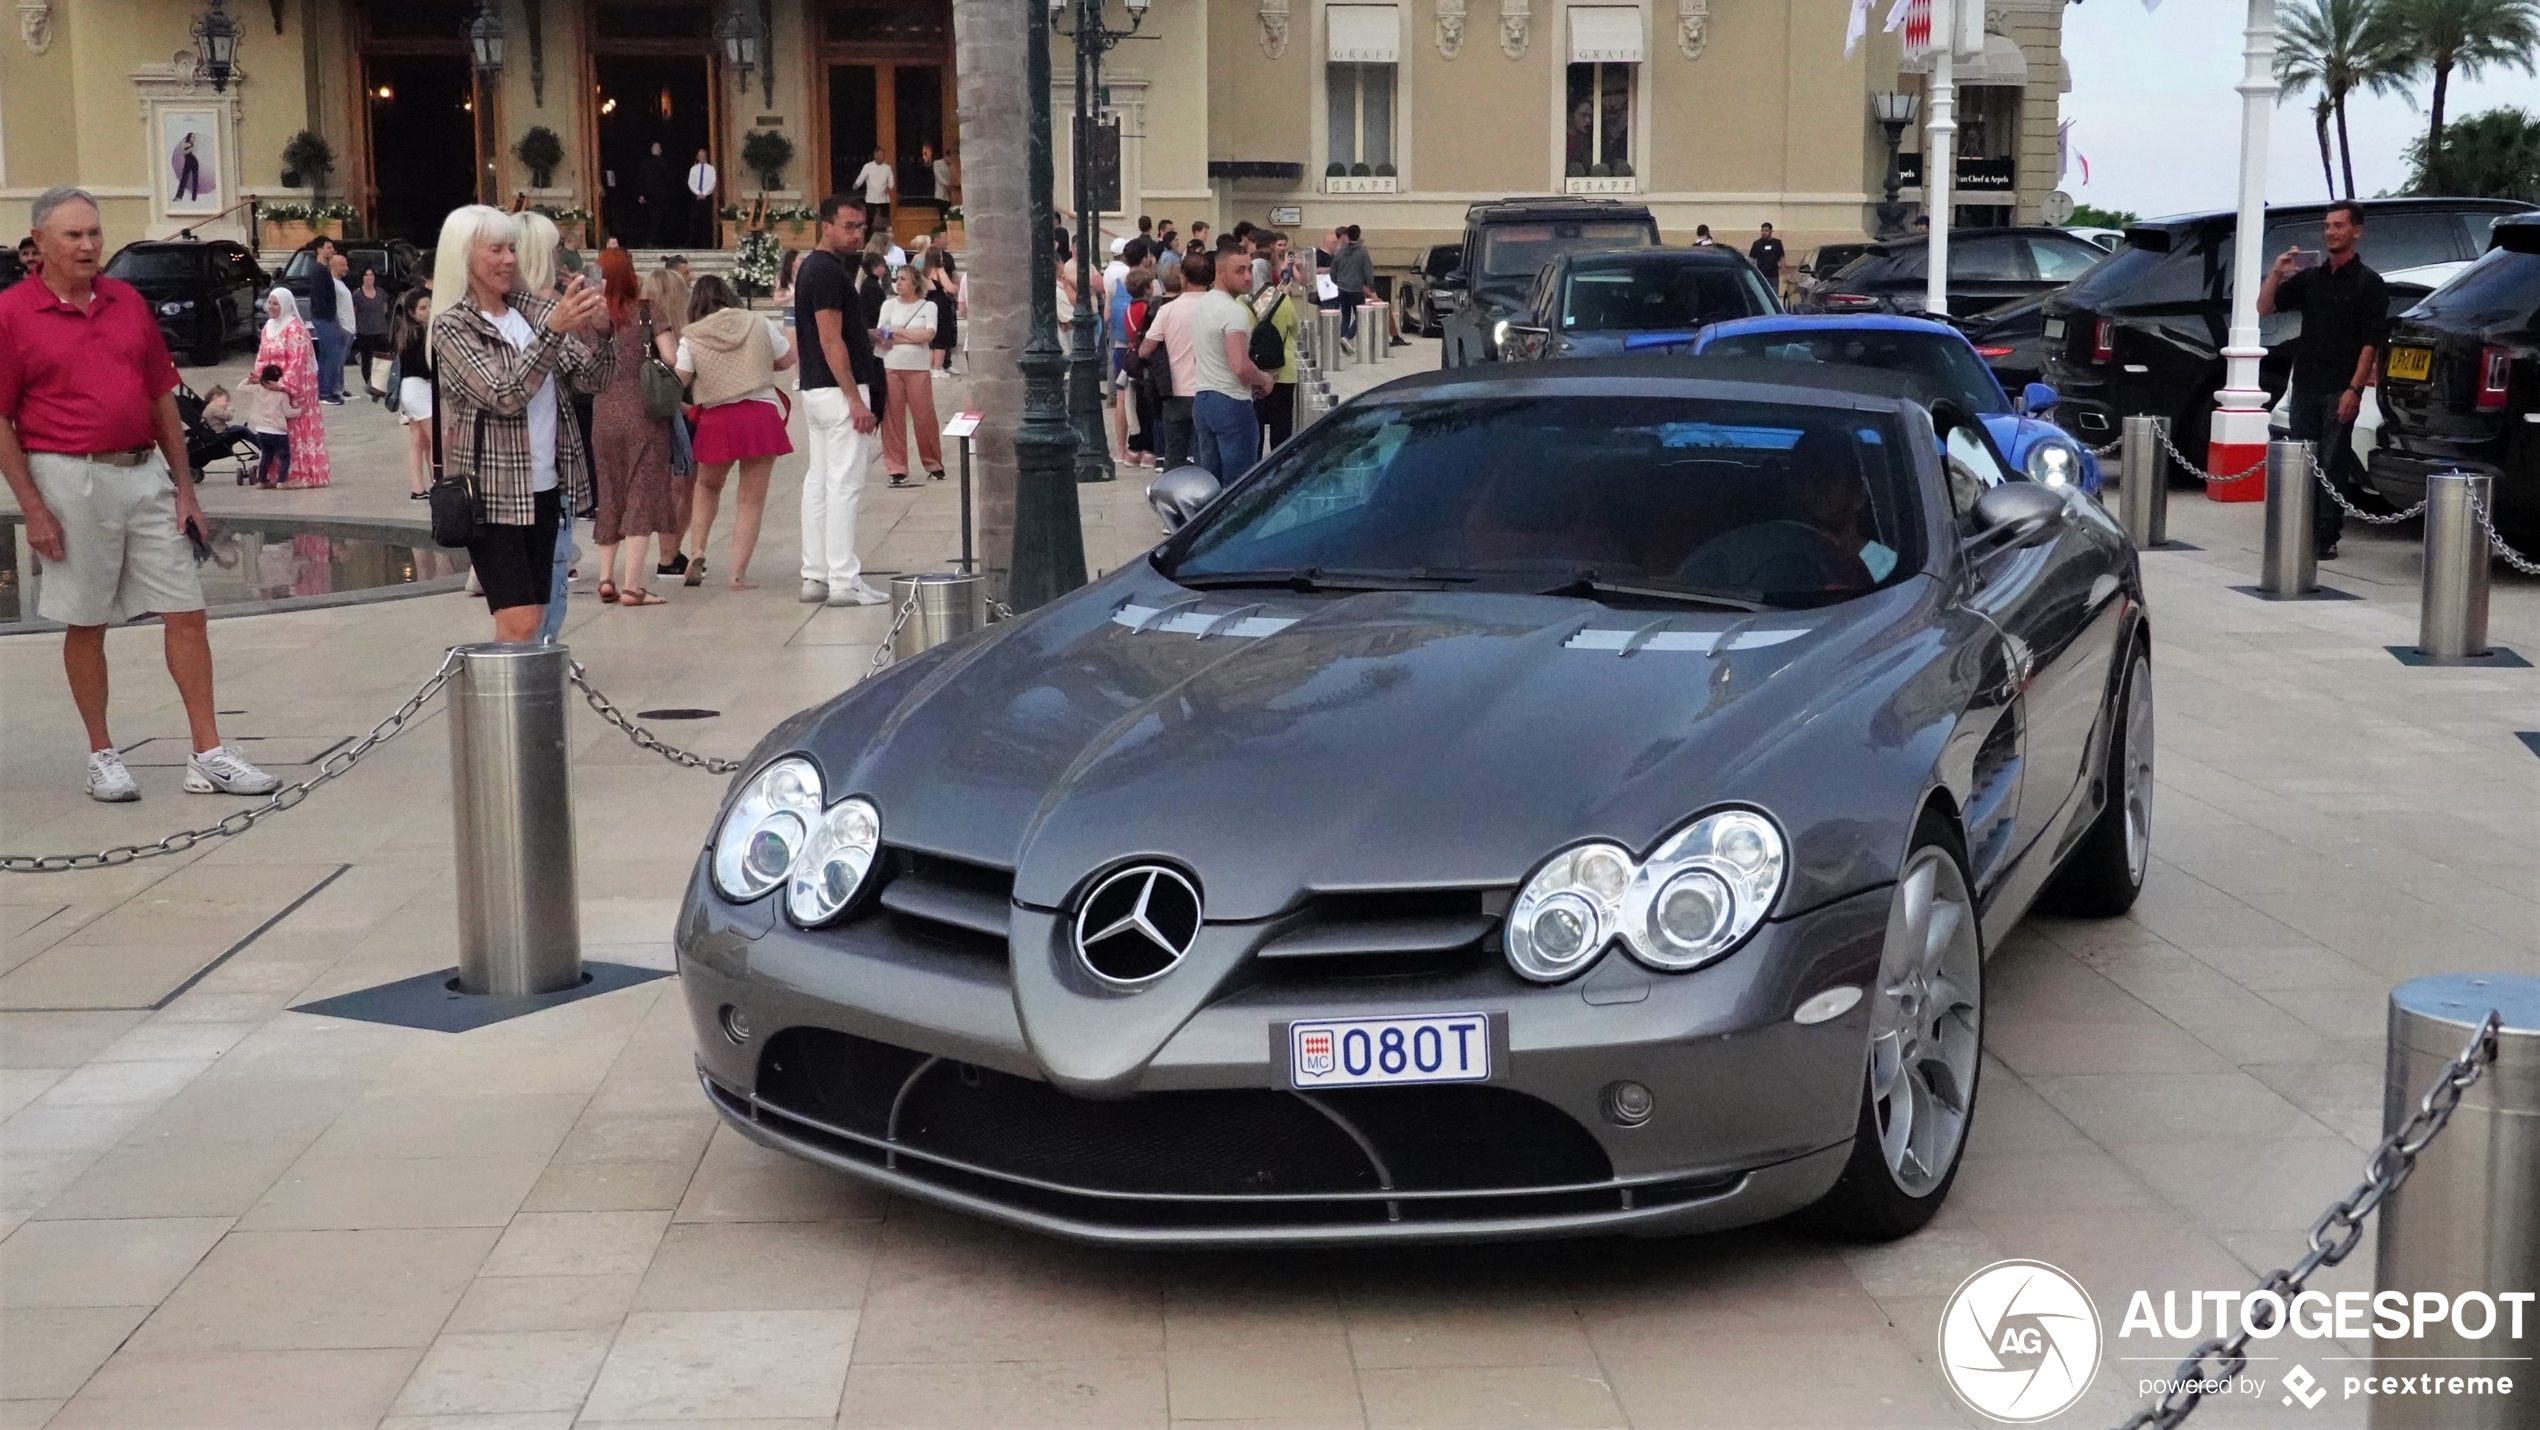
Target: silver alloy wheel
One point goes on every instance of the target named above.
(2137, 766)
(1925, 1021)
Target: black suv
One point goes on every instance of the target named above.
(1988, 268)
(400, 265)
(1505, 245)
(204, 291)
(2460, 383)
(2143, 333)
(1417, 294)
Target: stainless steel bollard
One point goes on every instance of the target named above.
(2452, 619)
(511, 813)
(2143, 499)
(949, 604)
(2468, 1218)
(2289, 566)
(1375, 331)
(1327, 326)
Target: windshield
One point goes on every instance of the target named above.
(1641, 295)
(1772, 503)
(148, 264)
(2501, 288)
(1942, 362)
(1520, 250)
(2135, 275)
(1444, 259)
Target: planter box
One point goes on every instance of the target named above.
(796, 234)
(1369, 185)
(287, 233)
(1627, 184)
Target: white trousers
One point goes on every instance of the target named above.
(832, 485)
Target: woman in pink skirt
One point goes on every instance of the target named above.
(729, 357)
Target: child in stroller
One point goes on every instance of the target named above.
(212, 433)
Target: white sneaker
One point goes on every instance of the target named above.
(108, 780)
(219, 770)
(857, 594)
(814, 592)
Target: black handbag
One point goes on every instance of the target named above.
(664, 394)
(458, 515)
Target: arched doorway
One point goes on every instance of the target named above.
(418, 128)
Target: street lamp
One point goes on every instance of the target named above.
(742, 37)
(485, 46)
(216, 45)
(485, 39)
(1895, 111)
(1049, 537)
(1082, 22)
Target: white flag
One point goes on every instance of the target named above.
(1895, 16)
(1859, 26)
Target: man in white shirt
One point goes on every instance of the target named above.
(1226, 431)
(337, 266)
(877, 183)
(701, 186)
(944, 179)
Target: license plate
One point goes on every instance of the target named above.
(2411, 364)
(1361, 1052)
(2054, 330)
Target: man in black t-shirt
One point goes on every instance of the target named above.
(841, 380)
(1766, 251)
(2345, 311)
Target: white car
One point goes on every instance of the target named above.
(2107, 238)
(2408, 287)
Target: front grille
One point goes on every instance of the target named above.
(1389, 933)
(1218, 1157)
(953, 902)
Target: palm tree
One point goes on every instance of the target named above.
(2467, 36)
(2495, 155)
(2341, 46)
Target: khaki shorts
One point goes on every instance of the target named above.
(122, 554)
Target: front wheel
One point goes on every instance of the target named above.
(2104, 873)
(1926, 1039)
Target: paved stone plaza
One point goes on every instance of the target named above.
(220, 1213)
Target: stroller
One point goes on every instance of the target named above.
(204, 445)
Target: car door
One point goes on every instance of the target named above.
(2058, 610)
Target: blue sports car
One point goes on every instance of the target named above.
(1939, 358)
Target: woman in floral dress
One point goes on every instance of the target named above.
(286, 345)
(631, 452)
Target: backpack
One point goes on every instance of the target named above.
(1268, 347)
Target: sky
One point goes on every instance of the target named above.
(2154, 110)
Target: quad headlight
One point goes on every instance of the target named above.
(1697, 895)
(778, 832)
(2055, 463)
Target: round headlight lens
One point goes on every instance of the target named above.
(765, 829)
(1703, 890)
(1568, 912)
(2054, 464)
(834, 861)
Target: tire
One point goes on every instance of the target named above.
(2104, 872)
(1923, 1066)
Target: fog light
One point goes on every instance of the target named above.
(1628, 1104)
(736, 1024)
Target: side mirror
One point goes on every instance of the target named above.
(1179, 494)
(1453, 281)
(2017, 514)
(2037, 397)
(1525, 340)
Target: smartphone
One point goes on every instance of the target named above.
(198, 538)
(2306, 258)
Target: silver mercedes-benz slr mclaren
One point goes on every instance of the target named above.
(1574, 799)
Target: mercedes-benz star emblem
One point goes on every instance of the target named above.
(1137, 924)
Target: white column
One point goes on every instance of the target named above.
(2240, 417)
(1940, 162)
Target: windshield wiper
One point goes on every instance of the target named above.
(1317, 578)
(1585, 583)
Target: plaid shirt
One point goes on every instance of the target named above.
(485, 386)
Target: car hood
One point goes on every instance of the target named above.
(164, 289)
(1279, 745)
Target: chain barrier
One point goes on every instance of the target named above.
(2496, 540)
(645, 739)
(2199, 473)
(2108, 450)
(240, 821)
(882, 653)
(2319, 473)
(2333, 1236)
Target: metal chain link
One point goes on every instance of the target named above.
(645, 739)
(2199, 473)
(240, 821)
(2319, 472)
(2108, 450)
(2333, 1236)
(2496, 541)
(882, 653)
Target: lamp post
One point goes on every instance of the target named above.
(742, 39)
(216, 46)
(1083, 23)
(1049, 539)
(2239, 436)
(485, 50)
(1894, 110)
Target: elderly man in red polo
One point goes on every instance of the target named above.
(89, 438)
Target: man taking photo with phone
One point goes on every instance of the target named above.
(89, 437)
(2345, 317)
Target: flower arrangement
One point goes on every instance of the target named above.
(754, 264)
(562, 216)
